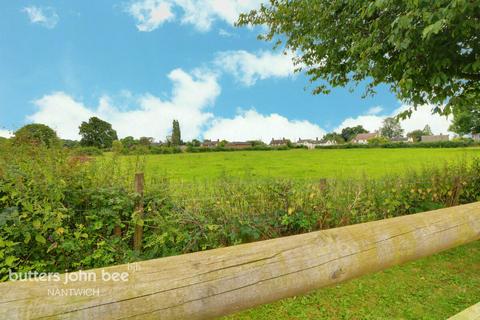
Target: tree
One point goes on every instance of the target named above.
(349, 133)
(145, 141)
(391, 128)
(334, 137)
(416, 135)
(257, 143)
(176, 136)
(428, 52)
(128, 142)
(194, 143)
(36, 133)
(427, 131)
(97, 133)
(466, 120)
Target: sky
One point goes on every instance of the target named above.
(140, 64)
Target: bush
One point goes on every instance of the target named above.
(87, 151)
(36, 133)
(378, 141)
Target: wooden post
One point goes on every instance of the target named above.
(213, 283)
(117, 231)
(138, 234)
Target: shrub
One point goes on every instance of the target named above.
(378, 140)
(117, 146)
(87, 151)
(36, 133)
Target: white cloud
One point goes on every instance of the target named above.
(251, 125)
(419, 119)
(369, 122)
(46, 17)
(62, 113)
(423, 116)
(248, 67)
(375, 110)
(150, 14)
(224, 33)
(5, 133)
(191, 94)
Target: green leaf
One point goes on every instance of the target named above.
(97, 225)
(28, 237)
(40, 239)
(36, 224)
(10, 260)
(432, 29)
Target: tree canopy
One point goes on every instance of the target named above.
(333, 137)
(349, 133)
(466, 120)
(426, 51)
(416, 135)
(391, 128)
(38, 134)
(97, 133)
(176, 135)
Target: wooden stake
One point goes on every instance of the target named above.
(138, 234)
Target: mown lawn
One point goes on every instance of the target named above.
(299, 164)
(436, 287)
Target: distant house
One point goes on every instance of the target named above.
(435, 138)
(328, 143)
(238, 145)
(279, 143)
(476, 136)
(210, 144)
(363, 138)
(309, 143)
(400, 139)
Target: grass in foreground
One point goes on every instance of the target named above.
(300, 164)
(436, 287)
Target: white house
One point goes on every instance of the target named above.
(328, 143)
(363, 138)
(309, 143)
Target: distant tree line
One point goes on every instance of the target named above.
(99, 134)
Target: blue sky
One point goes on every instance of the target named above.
(140, 64)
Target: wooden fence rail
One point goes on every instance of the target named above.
(472, 313)
(213, 283)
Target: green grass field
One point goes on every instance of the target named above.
(436, 287)
(300, 164)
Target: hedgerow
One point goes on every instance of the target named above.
(395, 145)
